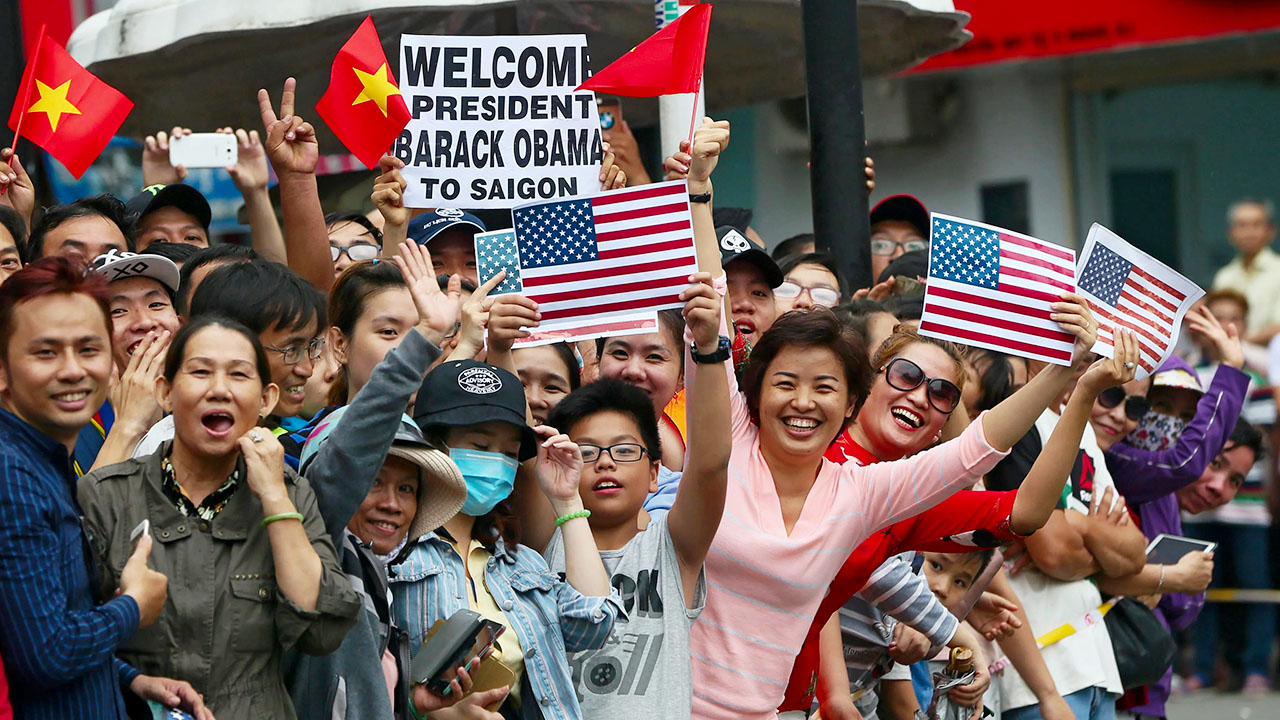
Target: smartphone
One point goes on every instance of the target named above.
(162, 712)
(135, 537)
(464, 636)
(610, 111)
(1168, 549)
(204, 150)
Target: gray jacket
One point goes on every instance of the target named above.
(225, 622)
(348, 684)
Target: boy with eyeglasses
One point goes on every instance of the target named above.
(656, 564)
(899, 224)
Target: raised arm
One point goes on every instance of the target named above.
(1038, 495)
(292, 149)
(696, 165)
(251, 177)
(388, 197)
(559, 470)
(695, 515)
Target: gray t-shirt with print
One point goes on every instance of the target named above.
(643, 671)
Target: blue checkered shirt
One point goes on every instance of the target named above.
(58, 647)
(546, 613)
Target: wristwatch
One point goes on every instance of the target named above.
(720, 355)
(699, 197)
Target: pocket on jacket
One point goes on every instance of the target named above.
(253, 606)
(537, 590)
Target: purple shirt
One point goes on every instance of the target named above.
(1148, 479)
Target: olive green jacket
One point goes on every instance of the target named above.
(225, 622)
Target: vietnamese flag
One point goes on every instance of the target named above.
(669, 62)
(363, 105)
(66, 109)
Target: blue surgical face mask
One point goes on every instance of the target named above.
(490, 477)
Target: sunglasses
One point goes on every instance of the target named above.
(904, 375)
(357, 252)
(820, 295)
(1135, 406)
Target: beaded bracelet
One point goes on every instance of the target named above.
(572, 516)
(282, 516)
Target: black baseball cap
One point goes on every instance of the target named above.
(912, 264)
(184, 197)
(734, 245)
(906, 208)
(430, 224)
(465, 392)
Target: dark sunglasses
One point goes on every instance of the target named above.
(1135, 406)
(904, 375)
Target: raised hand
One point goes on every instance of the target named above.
(134, 397)
(698, 162)
(612, 176)
(264, 465)
(437, 309)
(559, 469)
(509, 316)
(291, 143)
(388, 191)
(626, 152)
(1115, 370)
(1225, 339)
(702, 312)
(155, 159)
(19, 192)
(250, 171)
(475, 318)
(994, 617)
(1072, 314)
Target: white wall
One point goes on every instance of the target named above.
(1011, 125)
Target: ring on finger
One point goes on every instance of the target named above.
(1129, 366)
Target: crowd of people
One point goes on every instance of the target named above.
(253, 481)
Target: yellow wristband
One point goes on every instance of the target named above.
(282, 516)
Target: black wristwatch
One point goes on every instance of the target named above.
(699, 197)
(720, 355)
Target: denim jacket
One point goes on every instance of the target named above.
(546, 613)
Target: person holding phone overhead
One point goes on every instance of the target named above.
(259, 573)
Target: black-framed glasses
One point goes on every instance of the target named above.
(885, 246)
(357, 252)
(293, 353)
(904, 375)
(821, 295)
(621, 452)
(1135, 406)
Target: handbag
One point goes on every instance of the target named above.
(1144, 649)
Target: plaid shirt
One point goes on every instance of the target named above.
(59, 649)
(546, 613)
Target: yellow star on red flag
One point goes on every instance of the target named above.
(53, 103)
(377, 87)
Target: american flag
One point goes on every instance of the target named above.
(992, 288)
(1129, 288)
(597, 266)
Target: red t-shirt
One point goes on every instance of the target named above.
(965, 521)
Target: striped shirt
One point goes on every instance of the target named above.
(765, 585)
(58, 648)
(546, 613)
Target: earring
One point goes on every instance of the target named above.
(935, 437)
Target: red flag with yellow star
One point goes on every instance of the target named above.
(66, 109)
(363, 105)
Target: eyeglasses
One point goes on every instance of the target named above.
(622, 452)
(357, 252)
(885, 246)
(1135, 406)
(821, 295)
(904, 375)
(293, 353)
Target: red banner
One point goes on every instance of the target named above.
(1016, 29)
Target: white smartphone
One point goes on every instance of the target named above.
(204, 150)
(143, 528)
(1168, 549)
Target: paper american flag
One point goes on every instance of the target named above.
(992, 288)
(596, 266)
(1125, 286)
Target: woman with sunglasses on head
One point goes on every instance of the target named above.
(1157, 438)
(791, 517)
(810, 281)
(920, 382)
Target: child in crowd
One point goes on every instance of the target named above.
(950, 576)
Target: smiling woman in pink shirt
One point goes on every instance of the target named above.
(791, 517)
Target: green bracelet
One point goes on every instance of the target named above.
(572, 516)
(282, 516)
